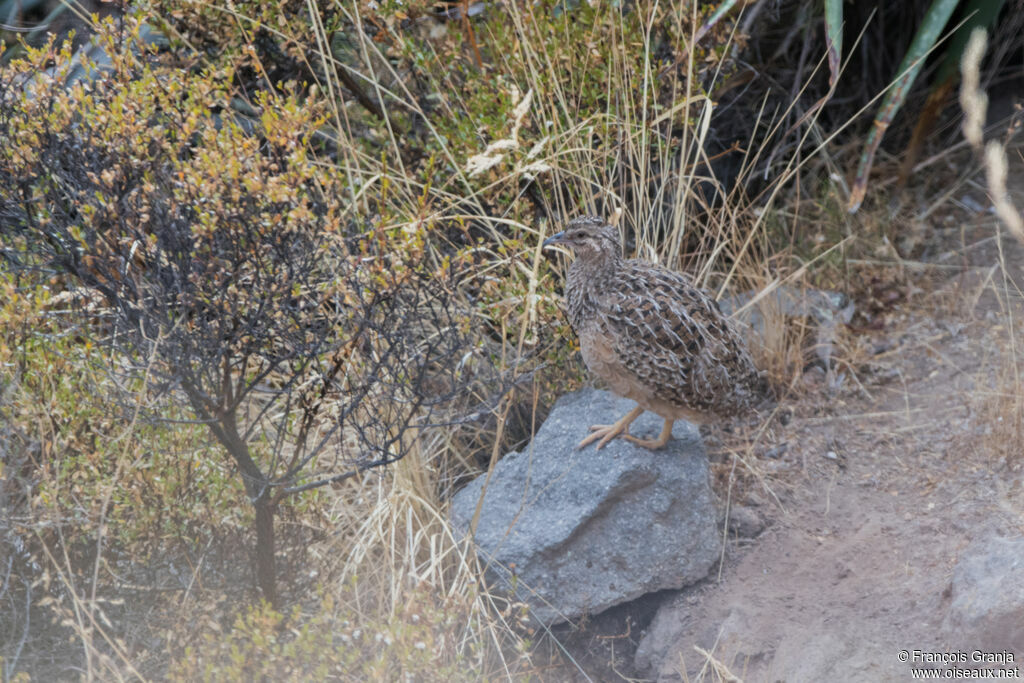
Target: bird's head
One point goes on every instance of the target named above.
(588, 236)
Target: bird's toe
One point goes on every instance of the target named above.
(603, 432)
(653, 444)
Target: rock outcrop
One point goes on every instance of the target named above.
(573, 532)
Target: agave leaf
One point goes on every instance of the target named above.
(924, 40)
(833, 40)
(979, 13)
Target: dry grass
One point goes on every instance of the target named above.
(395, 549)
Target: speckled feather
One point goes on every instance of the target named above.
(655, 337)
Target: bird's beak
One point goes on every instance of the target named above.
(554, 239)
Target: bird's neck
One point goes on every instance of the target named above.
(590, 275)
(597, 264)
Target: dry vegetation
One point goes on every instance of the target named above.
(394, 148)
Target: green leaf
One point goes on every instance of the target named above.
(924, 41)
(834, 38)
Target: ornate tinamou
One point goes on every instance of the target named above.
(652, 336)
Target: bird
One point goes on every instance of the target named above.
(653, 336)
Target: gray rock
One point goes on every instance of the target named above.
(575, 532)
(987, 609)
(745, 522)
(661, 635)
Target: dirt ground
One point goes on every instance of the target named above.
(881, 484)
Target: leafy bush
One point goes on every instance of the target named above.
(311, 347)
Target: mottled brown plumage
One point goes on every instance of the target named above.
(652, 336)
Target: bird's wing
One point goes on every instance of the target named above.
(675, 340)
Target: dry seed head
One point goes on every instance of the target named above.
(972, 99)
(995, 172)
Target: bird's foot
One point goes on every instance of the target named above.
(653, 444)
(606, 433)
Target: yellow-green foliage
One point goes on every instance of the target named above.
(149, 482)
(151, 113)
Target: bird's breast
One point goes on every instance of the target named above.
(601, 358)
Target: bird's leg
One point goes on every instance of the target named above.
(608, 432)
(653, 444)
